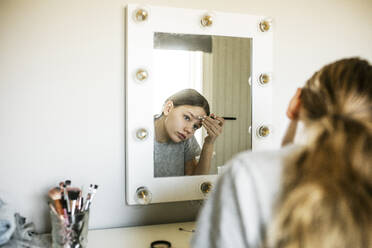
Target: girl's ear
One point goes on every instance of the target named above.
(168, 106)
(294, 105)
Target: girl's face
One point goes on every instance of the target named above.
(181, 122)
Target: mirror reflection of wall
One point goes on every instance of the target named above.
(219, 67)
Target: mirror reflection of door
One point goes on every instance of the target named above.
(218, 67)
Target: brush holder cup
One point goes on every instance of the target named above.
(70, 232)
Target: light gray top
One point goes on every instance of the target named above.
(170, 158)
(240, 207)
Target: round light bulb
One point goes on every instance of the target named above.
(143, 196)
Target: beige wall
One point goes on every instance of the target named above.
(228, 92)
(62, 91)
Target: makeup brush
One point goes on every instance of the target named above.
(229, 118)
(54, 211)
(63, 197)
(73, 195)
(90, 197)
(85, 207)
(55, 195)
(66, 185)
(80, 198)
(62, 186)
(65, 215)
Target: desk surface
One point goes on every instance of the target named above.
(141, 236)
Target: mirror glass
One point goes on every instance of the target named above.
(218, 67)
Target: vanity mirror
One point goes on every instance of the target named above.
(219, 68)
(226, 57)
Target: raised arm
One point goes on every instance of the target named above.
(214, 126)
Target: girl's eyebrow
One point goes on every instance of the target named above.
(193, 116)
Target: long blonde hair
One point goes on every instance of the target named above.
(326, 198)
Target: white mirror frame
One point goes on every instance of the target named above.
(139, 111)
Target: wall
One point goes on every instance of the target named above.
(62, 91)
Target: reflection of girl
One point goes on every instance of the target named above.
(175, 146)
(322, 189)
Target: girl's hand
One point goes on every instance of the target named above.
(294, 105)
(213, 124)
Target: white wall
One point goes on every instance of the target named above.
(62, 91)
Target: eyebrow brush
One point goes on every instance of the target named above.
(229, 118)
(224, 117)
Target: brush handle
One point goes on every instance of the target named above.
(67, 201)
(58, 207)
(66, 216)
(229, 118)
(53, 208)
(86, 204)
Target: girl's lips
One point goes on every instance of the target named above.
(181, 136)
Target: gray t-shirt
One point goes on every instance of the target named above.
(170, 158)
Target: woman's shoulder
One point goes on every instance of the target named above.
(264, 161)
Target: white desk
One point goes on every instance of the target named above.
(141, 236)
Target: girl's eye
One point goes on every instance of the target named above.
(186, 117)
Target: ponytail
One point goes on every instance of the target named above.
(326, 198)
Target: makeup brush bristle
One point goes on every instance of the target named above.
(73, 193)
(55, 194)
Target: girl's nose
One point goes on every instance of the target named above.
(189, 129)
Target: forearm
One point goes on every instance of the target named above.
(290, 133)
(205, 160)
